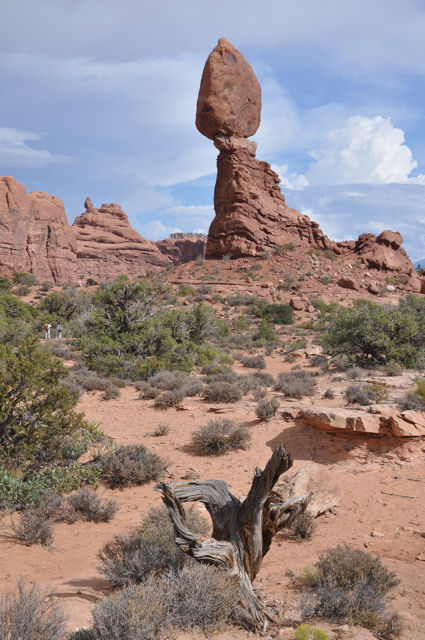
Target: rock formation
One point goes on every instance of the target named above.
(183, 247)
(107, 246)
(251, 213)
(35, 236)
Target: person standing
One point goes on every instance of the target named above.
(59, 331)
(47, 328)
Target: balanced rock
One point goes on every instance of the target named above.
(35, 236)
(250, 211)
(229, 100)
(88, 204)
(107, 246)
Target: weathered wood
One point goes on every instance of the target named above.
(242, 531)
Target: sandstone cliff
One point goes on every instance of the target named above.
(35, 236)
(107, 246)
(183, 247)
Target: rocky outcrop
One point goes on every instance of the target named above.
(387, 421)
(183, 247)
(107, 246)
(35, 236)
(251, 214)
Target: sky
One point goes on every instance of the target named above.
(98, 99)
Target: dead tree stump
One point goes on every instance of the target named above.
(242, 531)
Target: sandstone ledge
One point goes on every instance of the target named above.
(386, 421)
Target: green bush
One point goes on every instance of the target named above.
(305, 632)
(37, 411)
(17, 492)
(266, 332)
(5, 284)
(275, 313)
(372, 334)
(27, 279)
(131, 332)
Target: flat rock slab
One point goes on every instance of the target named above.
(384, 421)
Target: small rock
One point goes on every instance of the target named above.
(376, 534)
(390, 288)
(347, 283)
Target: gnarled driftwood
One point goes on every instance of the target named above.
(242, 531)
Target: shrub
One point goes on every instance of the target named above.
(22, 290)
(169, 398)
(130, 465)
(147, 392)
(195, 597)
(222, 391)
(303, 526)
(295, 384)
(305, 632)
(27, 279)
(281, 313)
(33, 528)
(161, 429)
(36, 408)
(82, 634)
(350, 585)
(267, 408)
(254, 362)
(266, 332)
(17, 493)
(393, 369)
(329, 394)
(5, 284)
(169, 380)
(241, 324)
(263, 378)
(411, 402)
(91, 507)
(194, 388)
(375, 334)
(28, 613)
(220, 436)
(149, 550)
(365, 393)
(111, 391)
(353, 373)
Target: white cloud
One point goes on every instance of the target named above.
(15, 151)
(156, 230)
(192, 211)
(289, 180)
(363, 151)
(344, 216)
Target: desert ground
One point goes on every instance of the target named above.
(376, 482)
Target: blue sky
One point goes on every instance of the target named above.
(98, 98)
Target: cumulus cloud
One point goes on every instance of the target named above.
(289, 180)
(363, 151)
(156, 230)
(16, 152)
(344, 215)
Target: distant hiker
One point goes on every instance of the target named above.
(47, 328)
(59, 331)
